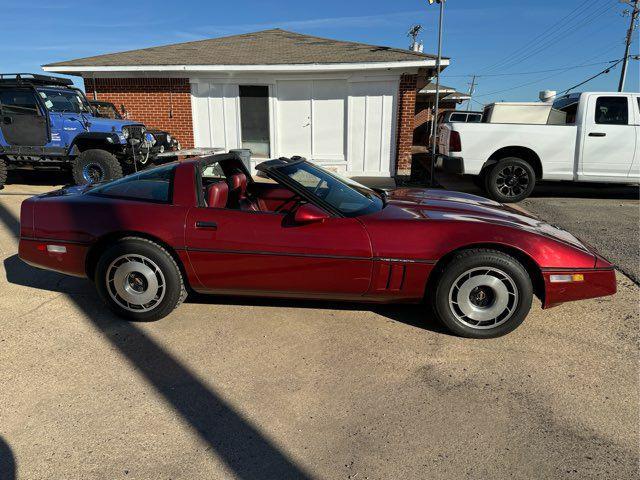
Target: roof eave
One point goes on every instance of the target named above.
(312, 67)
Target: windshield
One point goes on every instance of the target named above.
(346, 195)
(107, 110)
(64, 101)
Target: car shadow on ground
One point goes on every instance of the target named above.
(19, 273)
(548, 189)
(235, 440)
(7, 461)
(39, 177)
(415, 315)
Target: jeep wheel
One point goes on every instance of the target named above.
(3, 172)
(94, 166)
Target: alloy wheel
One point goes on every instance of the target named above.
(135, 283)
(483, 297)
(512, 181)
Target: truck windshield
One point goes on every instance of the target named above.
(64, 101)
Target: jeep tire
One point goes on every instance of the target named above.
(94, 165)
(3, 172)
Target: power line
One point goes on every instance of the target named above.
(530, 73)
(540, 35)
(606, 70)
(551, 34)
(563, 34)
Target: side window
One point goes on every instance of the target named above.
(458, 117)
(612, 111)
(19, 102)
(151, 185)
(212, 172)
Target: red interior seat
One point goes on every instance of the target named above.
(217, 195)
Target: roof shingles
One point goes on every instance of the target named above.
(267, 47)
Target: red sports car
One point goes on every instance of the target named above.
(206, 225)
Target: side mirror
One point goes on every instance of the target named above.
(308, 213)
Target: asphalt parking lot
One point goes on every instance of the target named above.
(232, 388)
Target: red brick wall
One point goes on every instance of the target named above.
(406, 116)
(150, 101)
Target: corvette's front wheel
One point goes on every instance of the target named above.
(139, 280)
(483, 293)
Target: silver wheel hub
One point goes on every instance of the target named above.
(483, 297)
(135, 283)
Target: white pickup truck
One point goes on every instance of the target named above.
(599, 141)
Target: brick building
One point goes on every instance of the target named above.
(450, 98)
(348, 106)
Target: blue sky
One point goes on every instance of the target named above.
(491, 37)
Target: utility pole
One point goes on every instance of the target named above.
(434, 118)
(632, 26)
(472, 89)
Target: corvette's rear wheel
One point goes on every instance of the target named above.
(139, 280)
(483, 293)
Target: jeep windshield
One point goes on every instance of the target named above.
(64, 101)
(345, 195)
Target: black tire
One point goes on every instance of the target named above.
(3, 172)
(510, 180)
(112, 267)
(95, 166)
(482, 266)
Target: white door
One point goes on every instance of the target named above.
(294, 118)
(311, 119)
(372, 115)
(608, 137)
(216, 115)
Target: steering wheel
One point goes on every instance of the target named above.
(316, 190)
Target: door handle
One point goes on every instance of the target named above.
(597, 134)
(207, 225)
(7, 120)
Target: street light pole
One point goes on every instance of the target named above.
(434, 118)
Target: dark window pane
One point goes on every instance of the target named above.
(19, 102)
(457, 117)
(612, 111)
(254, 118)
(151, 185)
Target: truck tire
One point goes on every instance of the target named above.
(95, 165)
(510, 180)
(3, 172)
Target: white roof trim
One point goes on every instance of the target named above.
(314, 67)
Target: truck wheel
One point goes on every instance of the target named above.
(3, 172)
(94, 166)
(510, 180)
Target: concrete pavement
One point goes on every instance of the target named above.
(258, 389)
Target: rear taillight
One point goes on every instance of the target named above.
(454, 142)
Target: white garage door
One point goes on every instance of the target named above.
(372, 114)
(311, 119)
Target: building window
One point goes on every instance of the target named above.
(254, 119)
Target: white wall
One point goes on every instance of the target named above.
(344, 122)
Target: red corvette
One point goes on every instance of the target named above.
(205, 225)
